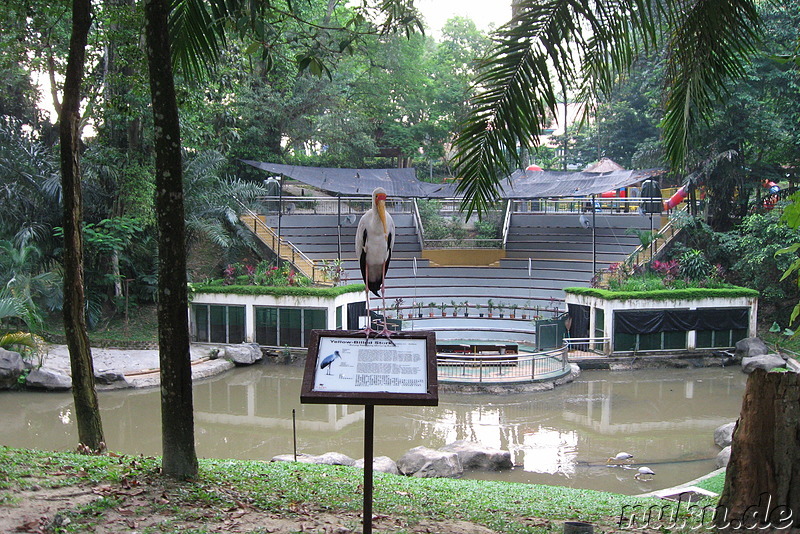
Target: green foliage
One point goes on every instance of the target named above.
(327, 292)
(278, 487)
(694, 293)
(695, 266)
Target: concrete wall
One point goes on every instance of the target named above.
(609, 307)
(250, 302)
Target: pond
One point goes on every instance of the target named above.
(664, 417)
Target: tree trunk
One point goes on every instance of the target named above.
(177, 418)
(762, 484)
(87, 410)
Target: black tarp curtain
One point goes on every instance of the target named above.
(651, 321)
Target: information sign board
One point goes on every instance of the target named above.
(344, 367)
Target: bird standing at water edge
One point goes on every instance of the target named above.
(644, 473)
(374, 241)
(620, 459)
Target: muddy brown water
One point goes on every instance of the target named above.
(664, 417)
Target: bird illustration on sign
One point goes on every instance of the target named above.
(327, 362)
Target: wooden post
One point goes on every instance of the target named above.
(764, 470)
(369, 434)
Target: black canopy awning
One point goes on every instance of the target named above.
(404, 183)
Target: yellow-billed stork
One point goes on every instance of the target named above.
(374, 241)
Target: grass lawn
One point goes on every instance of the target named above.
(65, 492)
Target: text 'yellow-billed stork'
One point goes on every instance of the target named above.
(374, 241)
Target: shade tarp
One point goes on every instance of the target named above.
(360, 182)
(652, 321)
(556, 184)
(404, 182)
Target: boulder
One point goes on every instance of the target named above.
(764, 361)
(107, 377)
(329, 458)
(748, 347)
(48, 379)
(723, 457)
(335, 458)
(723, 435)
(244, 354)
(382, 464)
(476, 456)
(428, 463)
(11, 367)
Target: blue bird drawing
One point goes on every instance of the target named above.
(328, 360)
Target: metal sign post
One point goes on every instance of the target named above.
(345, 367)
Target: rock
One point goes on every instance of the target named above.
(382, 464)
(11, 367)
(723, 435)
(748, 347)
(301, 457)
(723, 457)
(335, 458)
(428, 463)
(329, 458)
(244, 354)
(107, 377)
(48, 379)
(764, 361)
(476, 456)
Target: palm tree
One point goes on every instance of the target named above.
(553, 46)
(191, 33)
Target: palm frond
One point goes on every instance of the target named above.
(708, 44)
(197, 37)
(546, 48)
(587, 44)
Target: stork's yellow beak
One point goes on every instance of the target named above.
(380, 204)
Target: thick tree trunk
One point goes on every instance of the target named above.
(177, 418)
(87, 410)
(762, 484)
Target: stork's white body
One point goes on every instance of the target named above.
(374, 242)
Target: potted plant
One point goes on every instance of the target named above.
(465, 304)
(419, 310)
(478, 309)
(513, 308)
(397, 303)
(443, 307)
(431, 308)
(501, 308)
(490, 306)
(454, 304)
(525, 310)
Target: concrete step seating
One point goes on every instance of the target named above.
(559, 248)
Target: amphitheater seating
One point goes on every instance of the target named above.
(559, 248)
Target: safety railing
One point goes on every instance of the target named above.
(582, 204)
(330, 205)
(663, 237)
(481, 368)
(578, 347)
(285, 250)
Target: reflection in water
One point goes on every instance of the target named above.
(666, 418)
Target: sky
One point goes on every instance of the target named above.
(483, 12)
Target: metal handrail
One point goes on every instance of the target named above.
(668, 232)
(506, 223)
(418, 226)
(591, 344)
(482, 368)
(332, 205)
(304, 265)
